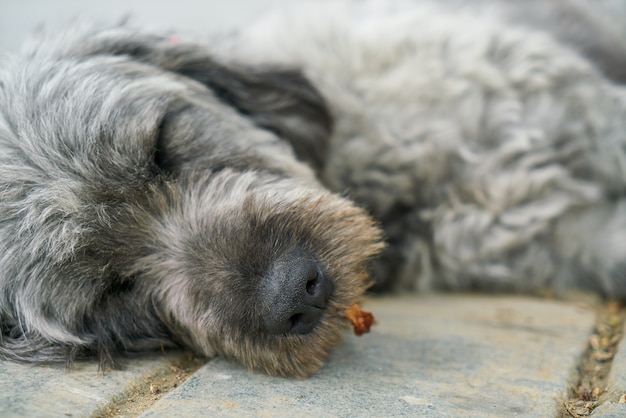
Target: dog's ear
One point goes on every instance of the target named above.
(280, 100)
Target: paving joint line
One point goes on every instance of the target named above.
(592, 371)
(150, 389)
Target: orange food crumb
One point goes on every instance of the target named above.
(362, 321)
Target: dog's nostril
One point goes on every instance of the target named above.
(312, 283)
(295, 320)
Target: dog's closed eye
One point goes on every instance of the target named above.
(158, 158)
(165, 142)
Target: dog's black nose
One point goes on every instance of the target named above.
(295, 294)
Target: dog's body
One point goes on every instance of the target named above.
(482, 150)
(149, 194)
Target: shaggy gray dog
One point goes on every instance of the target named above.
(152, 195)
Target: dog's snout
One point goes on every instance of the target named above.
(295, 294)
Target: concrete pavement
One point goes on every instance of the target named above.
(430, 355)
(54, 391)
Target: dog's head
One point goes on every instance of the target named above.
(174, 194)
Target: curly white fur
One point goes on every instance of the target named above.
(504, 147)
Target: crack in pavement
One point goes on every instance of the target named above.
(592, 372)
(150, 389)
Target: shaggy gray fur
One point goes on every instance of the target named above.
(493, 153)
(146, 198)
(151, 195)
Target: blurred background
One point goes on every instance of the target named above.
(597, 27)
(18, 19)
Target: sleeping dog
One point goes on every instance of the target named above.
(236, 197)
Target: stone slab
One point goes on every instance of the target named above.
(616, 386)
(610, 410)
(430, 356)
(53, 391)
